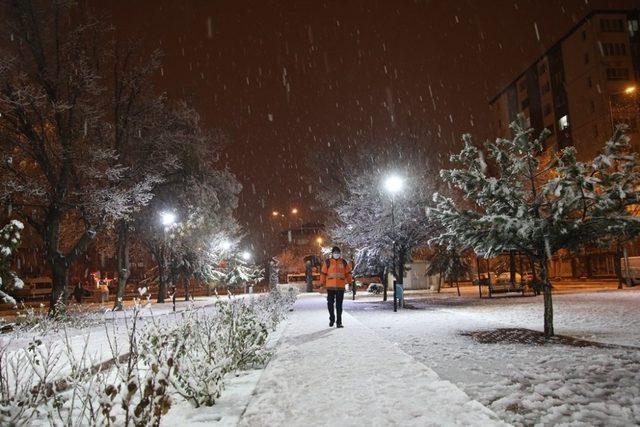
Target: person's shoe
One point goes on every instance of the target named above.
(339, 325)
(330, 323)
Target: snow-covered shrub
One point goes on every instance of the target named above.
(36, 319)
(152, 362)
(9, 242)
(193, 349)
(276, 304)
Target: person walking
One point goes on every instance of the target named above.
(335, 274)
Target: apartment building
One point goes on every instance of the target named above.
(581, 86)
(579, 89)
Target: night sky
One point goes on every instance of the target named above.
(281, 78)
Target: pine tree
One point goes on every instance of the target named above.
(450, 263)
(537, 207)
(234, 272)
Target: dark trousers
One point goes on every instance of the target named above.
(335, 295)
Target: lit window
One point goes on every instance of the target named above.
(563, 123)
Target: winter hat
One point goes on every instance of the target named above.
(335, 249)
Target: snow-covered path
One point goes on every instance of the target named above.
(351, 376)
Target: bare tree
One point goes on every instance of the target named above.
(58, 170)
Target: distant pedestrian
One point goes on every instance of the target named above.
(335, 274)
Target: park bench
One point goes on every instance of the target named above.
(502, 287)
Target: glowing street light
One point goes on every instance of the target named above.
(225, 245)
(294, 211)
(319, 240)
(393, 184)
(246, 255)
(275, 213)
(629, 90)
(167, 218)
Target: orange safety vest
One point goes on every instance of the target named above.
(335, 273)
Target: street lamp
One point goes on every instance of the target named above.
(167, 218)
(246, 255)
(294, 211)
(393, 184)
(629, 90)
(225, 245)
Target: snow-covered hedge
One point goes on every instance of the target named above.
(182, 356)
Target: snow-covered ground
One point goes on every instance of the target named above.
(351, 376)
(415, 367)
(526, 384)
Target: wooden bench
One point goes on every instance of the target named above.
(502, 287)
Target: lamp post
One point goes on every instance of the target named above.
(167, 219)
(393, 185)
(629, 90)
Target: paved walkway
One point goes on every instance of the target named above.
(352, 377)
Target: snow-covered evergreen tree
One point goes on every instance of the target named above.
(9, 241)
(450, 263)
(537, 208)
(234, 272)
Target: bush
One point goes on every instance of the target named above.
(185, 354)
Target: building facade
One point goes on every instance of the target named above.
(579, 89)
(582, 86)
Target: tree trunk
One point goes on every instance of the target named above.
(548, 302)
(185, 282)
(618, 264)
(162, 285)
(512, 266)
(124, 269)
(534, 276)
(587, 264)
(458, 287)
(385, 285)
(58, 301)
(439, 282)
(629, 279)
(479, 279)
